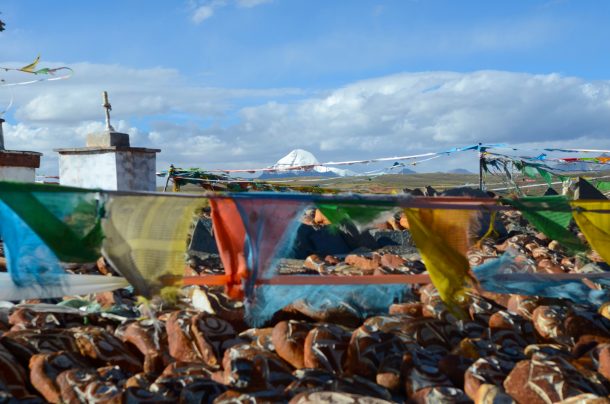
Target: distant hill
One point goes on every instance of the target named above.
(459, 171)
(298, 158)
(406, 171)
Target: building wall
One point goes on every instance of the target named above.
(136, 171)
(109, 170)
(18, 174)
(89, 170)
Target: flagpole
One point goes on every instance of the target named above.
(480, 168)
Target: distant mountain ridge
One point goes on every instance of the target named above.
(459, 171)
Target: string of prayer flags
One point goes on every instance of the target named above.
(230, 234)
(70, 285)
(441, 236)
(250, 234)
(551, 215)
(146, 238)
(359, 214)
(67, 220)
(593, 219)
(30, 262)
(361, 300)
(516, 274)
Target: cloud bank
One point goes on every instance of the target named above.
(198, 126)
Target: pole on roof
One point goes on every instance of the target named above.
(169, 175)
(480, 167)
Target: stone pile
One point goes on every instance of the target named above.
(199, 349)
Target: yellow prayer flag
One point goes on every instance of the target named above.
(30, 68)
(441, 236)
(146, 237)
(594, 225)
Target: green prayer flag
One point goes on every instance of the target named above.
(546, 175)
(67, 219)
(551, 215)
(360, 214)
(530, 171)
(603, 185)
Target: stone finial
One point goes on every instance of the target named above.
(108, 108)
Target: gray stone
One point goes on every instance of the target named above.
(107, 139)
(202, 241)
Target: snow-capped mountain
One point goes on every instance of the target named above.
(300, 157)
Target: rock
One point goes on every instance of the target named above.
(73, 384)
(492, 394)
(249, 368)
(149, 339)
(258, 338)
(326, 348)
(547, 350)
(364, 263)
(202, 242)
(372, 351)
(212, 335)
(103, 392)
(539, 380)
(400, 241)
(25, 318)
(289, 340)
(549, 322)
(104, 268)
(481, 309)
(135, 395)
(429, 295)
(226, 308)
(442, 395)
(474, 348)
(586, 398)
(188, 370)
(455, 366)
(201, 391)
(254, 397)
(331, 260)
(489, 370)
(421, 371)
(315, 263)
(179, 340)
(322, 241)
(346, 315)
(604, 361)
(334, 397)
(13, 375)
(46, 367)
(309, 380)
(105, 348)
(141, 380)
(523, 306)
(413, 309)
(392, 261)
(581, 322)
(320, 219)
(106, 299)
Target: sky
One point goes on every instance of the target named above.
(240, 83)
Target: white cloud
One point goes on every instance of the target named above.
(252, 3)
(206, 9)
(391, 115)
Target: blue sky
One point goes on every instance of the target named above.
(233, 83)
